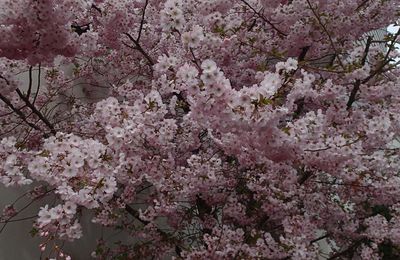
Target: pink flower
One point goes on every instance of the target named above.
(45, 217)
(69, 208)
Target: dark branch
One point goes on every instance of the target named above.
(326, 31)
(195, 61)
(385, 61)
(96, 8)
(6, 80)
(142, 21)
(353, 94)
(263, 18)
(305, 175)
(140, 49)
(319, 238)
(30, 82)
(134, 213)
(350, 249)
(80, 29)
(357, 84)
(303, 53)
(361, 5)
(18, 112)
(38, 84)
(36, 112)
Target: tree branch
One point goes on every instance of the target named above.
(385, 61)
(95, 7)
(326, 31)
(142, 21)
(263, 18)
(357, 84)
(36, 112)
(361, 5)
(38, 84)
(320, 238)
(348, 250)
(30, 82)
(140, 49)
(303, 53)
(18, 112)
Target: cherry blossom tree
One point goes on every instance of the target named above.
(226, 129)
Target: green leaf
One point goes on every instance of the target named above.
(34, 231)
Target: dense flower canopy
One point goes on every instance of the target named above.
(206, 129)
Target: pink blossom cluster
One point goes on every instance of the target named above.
(244, 129)
(59, 220)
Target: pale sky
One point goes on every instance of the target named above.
(393, 29)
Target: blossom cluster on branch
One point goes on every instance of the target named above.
(208, 129)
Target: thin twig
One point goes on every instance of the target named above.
(38, 85)
(263, 18)
(385, 61)
(361, 5)
(348, 250)
(18, 112)
(357, 84)
(140, 49)
(23, 208)
(96, 8)
(142, 20)
(320, 238)
(195, 61)
(36, 112)
(30, 82)
(326, 31)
